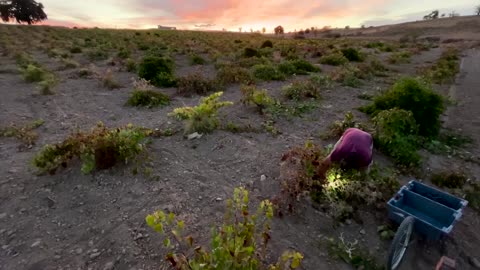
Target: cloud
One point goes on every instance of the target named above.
(232, 14)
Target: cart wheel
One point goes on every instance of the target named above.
(400, 243)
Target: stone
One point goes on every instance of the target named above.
(362, 232)
(79, 251)
(95, 255)
(36, 243)
(219, 199)
(109, 266)
(263, 178)
(194, 136)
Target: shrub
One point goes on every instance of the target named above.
(299, 89)
(124, 53)
(23, 60)
(202, 118)
(337, 129)
(144, 96)
(229, 74)
(196, 59)
(267, 44)
(101, 148)
(147, 98)
(109, 82)
(25, 133)
(413, 95)
(239, 243)
(70, 63)
(353, 55)
(249, 52)
(260, 98)
(45, 79)
(287, 68)
(449, 179)
(157, 70)
(196, 84)
(34, 74)
(97, 54)
(333, 59)
(297, 67)
(85, 72)
(348, 75)
(267, 73)
(396, 135)
(131, 65)
(75, 50)
(400, 58)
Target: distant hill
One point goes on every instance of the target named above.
(464, 27)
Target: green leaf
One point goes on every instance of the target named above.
(150, 220)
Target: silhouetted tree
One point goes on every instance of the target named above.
(22, 11)
(264, 30)
(431, 16)
(478, 11)
(240, 29)
(279, 30)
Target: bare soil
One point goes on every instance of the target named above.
(76, 221)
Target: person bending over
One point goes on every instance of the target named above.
(352, 151)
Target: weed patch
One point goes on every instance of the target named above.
(196, 84)
(25, 133)
(305, 89)
(196, 59)
(400, 58)
(202, 118)
(109, 82)
(229, 74)
(143, 95)
(334, 59)
(297, 67)
(239, 243)
(259, 98)
(352, 253)
(100, 149)
(267, 73)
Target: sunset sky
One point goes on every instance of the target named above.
(248, 14)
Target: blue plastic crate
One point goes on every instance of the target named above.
(435, 211)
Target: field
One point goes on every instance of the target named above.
(124, 150)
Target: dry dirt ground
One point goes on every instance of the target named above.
(76, 221)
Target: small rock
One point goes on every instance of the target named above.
(362, 232)
(36, 243)
(475, 262)
(194, 136)
(79, 251)
(109, 266)
(348, 222)
(263, 178)
(95, 255)
(3, 215)
(57, 257)
(219, 199)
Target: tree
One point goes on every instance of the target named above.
(477, 11)
(431, 16)
(240, 29)
(264, 30)
(279, 30)
(22, 11)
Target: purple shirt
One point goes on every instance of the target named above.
(354, 150)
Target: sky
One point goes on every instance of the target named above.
(247, 14)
